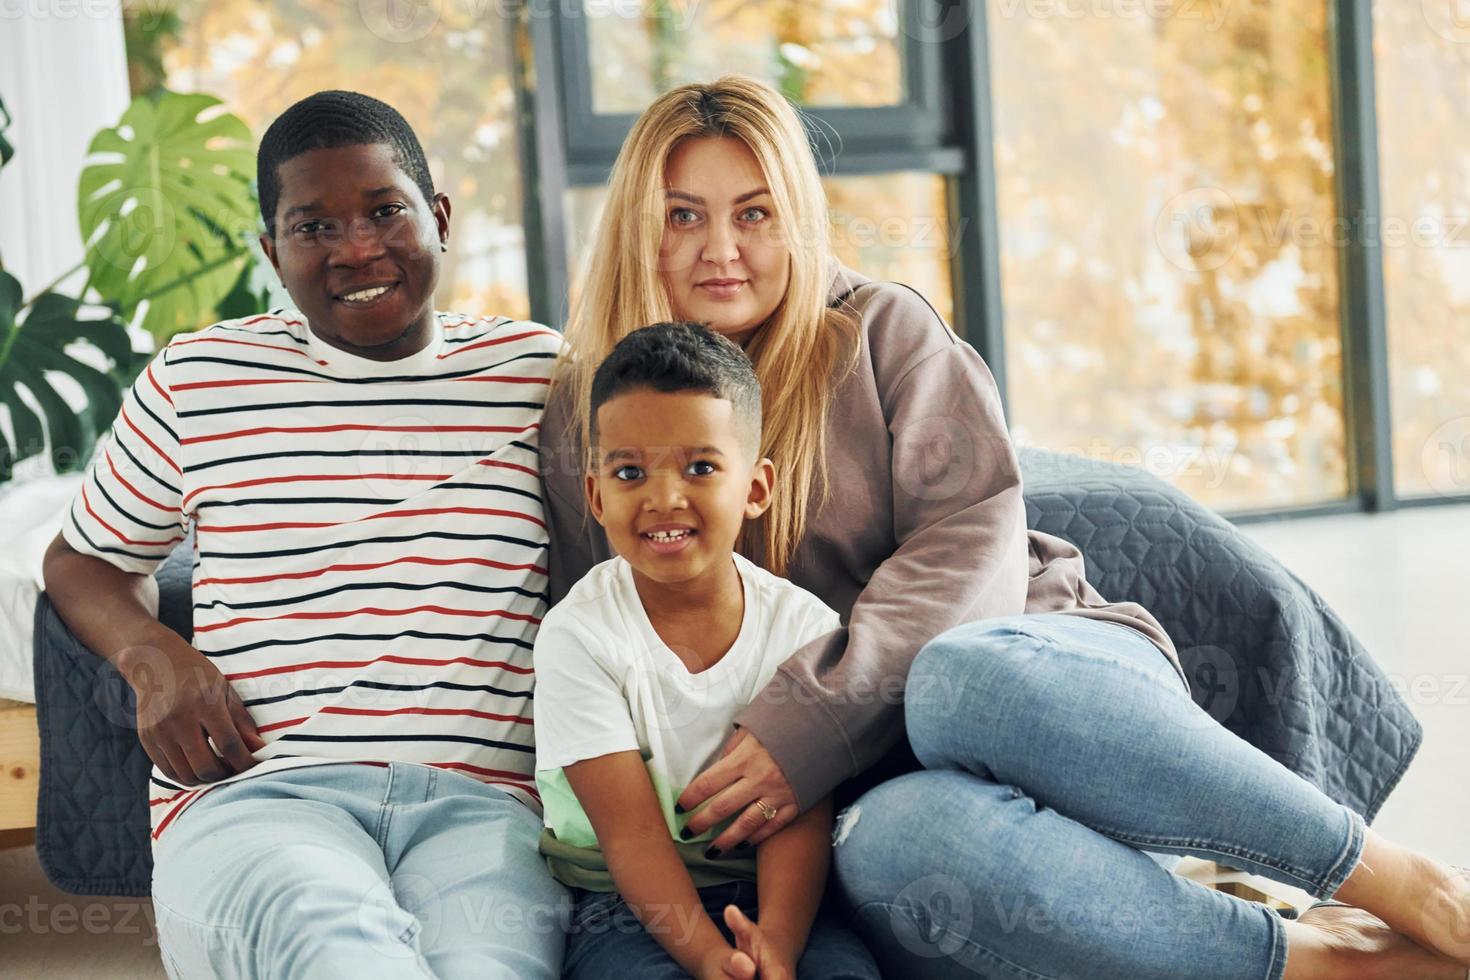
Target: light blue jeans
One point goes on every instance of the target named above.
(357, 871)
(1058, 751)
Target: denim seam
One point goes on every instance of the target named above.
(380, 832)
(1352, 848)
(197, 923)
(965, 941)
(1276, 967)
(1195, 845)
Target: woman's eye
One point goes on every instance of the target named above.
(627, 473)
(753, 215)
(682, 216)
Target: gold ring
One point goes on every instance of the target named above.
(767, 811)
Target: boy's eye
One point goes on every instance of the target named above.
(627, 473)
(702, 467)
(307, 228)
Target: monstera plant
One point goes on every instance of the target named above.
(167, 217)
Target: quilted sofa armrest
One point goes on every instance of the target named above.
(92, 813)
(1264, 654)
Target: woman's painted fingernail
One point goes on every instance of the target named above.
(712, 852)
(742, 845)
(679, 807)
(686, 833)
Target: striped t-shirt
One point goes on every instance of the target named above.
(370, 546)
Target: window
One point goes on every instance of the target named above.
(1165, 191)
(1424, 103)
(819, 54)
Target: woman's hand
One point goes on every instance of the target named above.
(745, 773)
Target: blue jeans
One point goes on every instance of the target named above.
(1057, 751)
(607, 940)
(350, 870)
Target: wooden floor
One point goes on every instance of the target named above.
(20, 762)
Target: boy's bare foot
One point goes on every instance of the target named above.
(1350, 944)
(1415, 895)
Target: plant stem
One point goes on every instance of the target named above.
(54, 283)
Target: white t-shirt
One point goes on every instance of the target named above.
(606, 682)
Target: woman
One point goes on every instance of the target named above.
(1058, 743)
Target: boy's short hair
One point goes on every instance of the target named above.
(682, 356)
(325, 121)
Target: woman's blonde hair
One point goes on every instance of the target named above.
(797, 352)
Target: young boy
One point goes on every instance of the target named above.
(641, 669)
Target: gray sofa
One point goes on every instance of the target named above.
(1264, 655)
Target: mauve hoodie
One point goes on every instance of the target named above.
(924, 529)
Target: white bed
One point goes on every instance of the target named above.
(31, 512)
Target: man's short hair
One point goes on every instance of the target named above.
(682, 356)
(325, 121)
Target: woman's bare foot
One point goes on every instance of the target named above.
(1350, 944)
(1415, 895)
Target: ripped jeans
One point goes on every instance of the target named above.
(1063, 760)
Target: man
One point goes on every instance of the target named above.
(344, 758)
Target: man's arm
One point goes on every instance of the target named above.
(791, 874)
(620, 802)
(182, 697)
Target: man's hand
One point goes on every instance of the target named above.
(770, 963)
(184, 702)
(745, 773)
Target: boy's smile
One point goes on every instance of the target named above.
(357, 246)
(673, 484)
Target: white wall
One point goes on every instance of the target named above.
(63, 75)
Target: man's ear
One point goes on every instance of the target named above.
(441, 209)
(762, 486)
(594, 497)
(268, 246)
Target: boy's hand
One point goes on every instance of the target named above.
(770, 962)
(183, 703)
(727, 964)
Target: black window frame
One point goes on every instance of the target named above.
(949, 130)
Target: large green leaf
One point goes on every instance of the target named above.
(166, 209)
(31, 352)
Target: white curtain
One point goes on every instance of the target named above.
(63, 76)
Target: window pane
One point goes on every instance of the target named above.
(450, 76)
(1165, 186)
(819, 54)
(1424, 112)
(890, 226)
